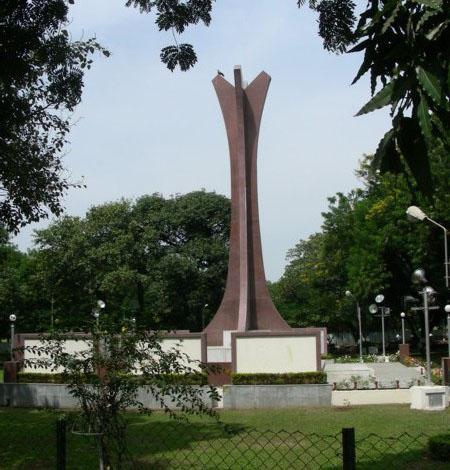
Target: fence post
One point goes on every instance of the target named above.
(348, 449)
(61, 444)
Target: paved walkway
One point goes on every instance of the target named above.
(388, 372)
(385, 373)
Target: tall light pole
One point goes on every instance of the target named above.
(96, 312)
(428, 293)
(402, 316)
(447, 310)
(358, 311)
(12, 319)
(384, 312)
(415, 213)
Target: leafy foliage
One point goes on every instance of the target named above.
(176, 15)
(280, 379)
(158, 260)
(405, 46)
(367, 246)
(41, 80)
(101, 376)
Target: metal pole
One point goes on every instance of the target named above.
(403, 331)
(382, 333)
(448, 333)
(12, 341)
(427, 334)
(348, 449)
(61, 444)
(446, 257)
(358, 308)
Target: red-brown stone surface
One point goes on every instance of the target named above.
(246, 304)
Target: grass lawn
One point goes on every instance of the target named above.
(288, 439)
(1, 375)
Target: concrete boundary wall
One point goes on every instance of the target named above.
(58, 396)
(238, 397)
(373, 397)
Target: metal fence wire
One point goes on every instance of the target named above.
(233, 449)
(162, 444)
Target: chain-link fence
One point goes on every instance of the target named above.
(163, 444)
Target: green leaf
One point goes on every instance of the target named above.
(381, 99)
(365, 66)
(424, 119)
(361, 46)
(437, 30)
(425, 17)
(435, 4)
(391, 18)
(415, 152)
(386, 157)
(430, 84)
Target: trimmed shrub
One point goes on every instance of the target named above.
(187, 379)
(36, 377)
(279, 379)
(439, 447)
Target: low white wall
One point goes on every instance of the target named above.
(71, 346)
(192, 347)
(276, 354)
(219, 354)
(370, 397)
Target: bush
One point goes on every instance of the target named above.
(279, 379)
(44, 378)
(36, 377)
(439, 447)
(327, 356)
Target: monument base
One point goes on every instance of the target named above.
(404, 351)
(429, 397)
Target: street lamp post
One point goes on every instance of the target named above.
(358, 311)
(12, 319)
(96, 312)
(427, 293)
(402, 315)
(415, 213)
(384, 312)
(447, 310)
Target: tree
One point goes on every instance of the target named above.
(105, 374)
(21, 290)
(158, 260)
(405, 46)
(41, 80)
(368, 246)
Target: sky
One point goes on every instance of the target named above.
(142, 129)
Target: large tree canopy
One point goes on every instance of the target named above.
(367, 246)
(41, 80)
(159, 260)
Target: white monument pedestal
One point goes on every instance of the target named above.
(429, 397)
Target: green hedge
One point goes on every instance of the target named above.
(37, 377)
(440, 447)
(189, 379)
(279, 379)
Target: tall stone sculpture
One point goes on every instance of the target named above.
(246, 304)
